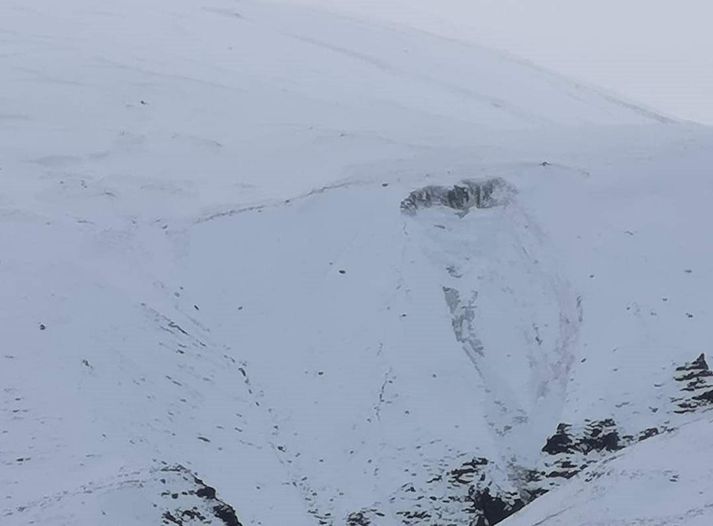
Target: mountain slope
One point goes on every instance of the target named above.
(238, 249)
(658, 482)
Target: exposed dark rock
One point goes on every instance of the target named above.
(696, 381)
(560, 442)
(416, 516)
(598, 435)
(358, 518)
(648, 433)
(493, 509)
(463, 196)
(572, 449)
(226, 514)
(477, 492)
(467, 472)
(169, 518)
(196, 502)
(488, 500)
(474, 492)
(205, 492)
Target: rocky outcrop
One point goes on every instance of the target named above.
(493, 508)
(360, 518)
(168, 495)
(490, 498)
(462, 197)
(570, 450)
(478, 492)
(473, 492)
(596, 436)
(696, 381)
(188, 501)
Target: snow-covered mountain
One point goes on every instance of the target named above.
(263, 264)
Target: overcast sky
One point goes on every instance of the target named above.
(655, 52)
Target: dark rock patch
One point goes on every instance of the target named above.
(477, 492)
(696, 381)
(359, 518)
(193, 502)
(474, 492)
(226, 514)
(462, 196)
(560, 442)
(648, 433)
(598, 435)
(492, 509)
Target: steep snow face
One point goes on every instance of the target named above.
(226, 258)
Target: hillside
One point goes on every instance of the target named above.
(263, 265)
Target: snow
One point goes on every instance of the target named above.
(654, 52)
(205, 264)
(664, 480)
